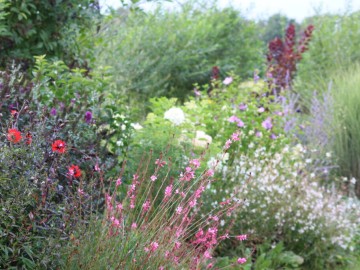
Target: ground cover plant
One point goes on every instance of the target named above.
(196, 146)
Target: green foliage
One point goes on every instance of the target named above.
(43, 27)
(334, 44)
(346, 126)
(276, 257)
(41, 200)
(274, 27)
(151, 60)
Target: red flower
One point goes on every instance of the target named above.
(14, 135)
(59, 146)
(28, 139)
(74, 170)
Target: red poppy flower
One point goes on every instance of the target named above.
(14, 135)
(59, 146)
(28, 138)
(74, 170)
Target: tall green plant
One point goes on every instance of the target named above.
(335, 43)
(165, 53)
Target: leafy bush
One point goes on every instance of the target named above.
(52, 172)
(43, 27)
(149, 60)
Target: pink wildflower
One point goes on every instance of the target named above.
(207, 254)
(235, 136)
(134, 225)
(187, 175)
(241, 260)
(233, 119)
(209, 173)
(209, 266)
(261, 110)
(118, 182)
(153, 246)
(160, 163)
(241, 237)
(227, 144)
(168, 191)
(80, 192)
(195, 163)
(179, 210)
(177, 245)
(153, 178)
(146, 206)
(192, 203)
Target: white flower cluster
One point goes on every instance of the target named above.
(283, 198)
(175, 116)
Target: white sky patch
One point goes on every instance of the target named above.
(261, 9)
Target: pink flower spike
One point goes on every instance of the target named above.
(179, 210)
(195, 163)
(227, 144)
(160, 163)
(133, 226)
(146, 206)
(235, 136)
(210, 173)
(153, 178)
(80, 192)
(241, 260)
(154, 246)
(118, 182)
(168, 191)
(241, 237)
(207, 255)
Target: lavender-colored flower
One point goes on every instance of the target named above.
(242, 107)
(256, 76)
(197, 92)
(261, 110)
(240, 123)
(273, 136)
(233, 119)
(228, 80)
(258, 134)
(53, 112)
(88, 117)
(62, 105)
(267, 124)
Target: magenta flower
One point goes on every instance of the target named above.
(53, 112)
(241, 260)
(88, 117)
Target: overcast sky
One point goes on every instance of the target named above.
(258, 9)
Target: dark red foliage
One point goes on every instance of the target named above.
(283, 57)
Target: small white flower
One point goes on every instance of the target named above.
(353, 181)
(136, 126)
(175, 116)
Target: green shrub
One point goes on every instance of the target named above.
(149, 59)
